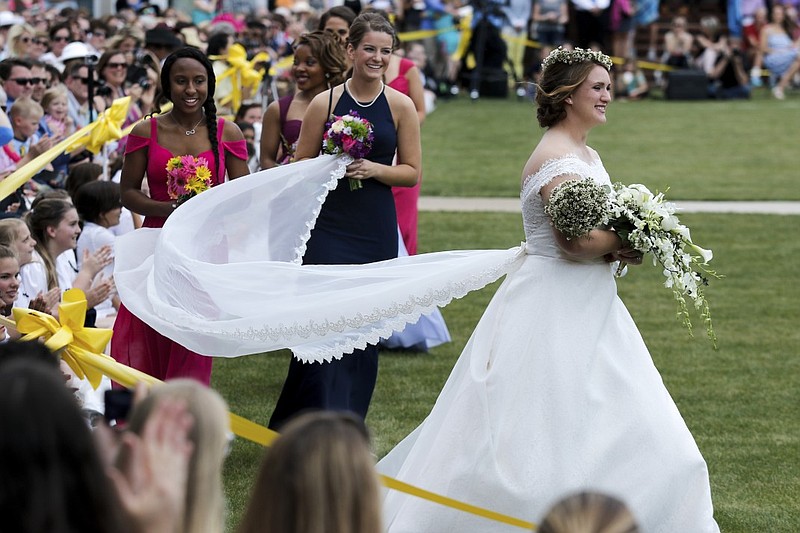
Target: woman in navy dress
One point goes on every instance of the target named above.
(358, 226)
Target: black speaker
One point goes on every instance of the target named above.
(688, 84)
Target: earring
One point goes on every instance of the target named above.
(327, 75)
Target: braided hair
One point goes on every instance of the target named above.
(210, 109)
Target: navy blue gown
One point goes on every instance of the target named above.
(354, 227)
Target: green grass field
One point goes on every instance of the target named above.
(740, 401)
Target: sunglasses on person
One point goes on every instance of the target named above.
(116, 65)
(25, 40)
(27, 81)
(61, 38)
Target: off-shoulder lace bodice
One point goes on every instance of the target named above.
(538, 231)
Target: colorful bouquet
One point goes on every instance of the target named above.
(348, 134)
(187, 176)
(647, 223)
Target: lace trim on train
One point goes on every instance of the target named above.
(391, 317)
(328, 186)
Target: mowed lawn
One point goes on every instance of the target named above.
(740, 401)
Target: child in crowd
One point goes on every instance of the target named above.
(56, 115)
(9, 284)
(26, 145)
(33, 293)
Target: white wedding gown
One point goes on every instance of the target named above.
(554, 393)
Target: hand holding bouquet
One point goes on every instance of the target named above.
(647, 223)
(187, 176)
(348, 134)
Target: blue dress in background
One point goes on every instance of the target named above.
(354, 227)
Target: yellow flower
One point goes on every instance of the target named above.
(204, 173)
(173, 163)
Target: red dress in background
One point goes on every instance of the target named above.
(135, 343)
(406, 198)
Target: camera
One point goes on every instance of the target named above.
(118, 404)
(101, 89)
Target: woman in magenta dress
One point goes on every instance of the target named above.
(319, 64)
(190, 128)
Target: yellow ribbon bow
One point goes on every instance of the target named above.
(107, 127)
(67, 334)
(243, 74)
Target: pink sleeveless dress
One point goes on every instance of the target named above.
(406, 198)
(135, 343)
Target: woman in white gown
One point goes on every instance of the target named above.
(555, 391)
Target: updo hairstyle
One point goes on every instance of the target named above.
(559, 81)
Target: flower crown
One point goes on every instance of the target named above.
(578, 55)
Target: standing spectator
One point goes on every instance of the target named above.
(591, 23)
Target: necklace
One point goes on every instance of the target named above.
(347, 88)
(191, 131)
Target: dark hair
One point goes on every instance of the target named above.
(27, 350)
(81, 174)
(7, 65)
(95, 198)
(559, 81)
(326, 48)
(217, 43)
(106, 57)
(208, 106)
(339, 12)
(58, 27)
(243, 109)
(45, 214)
(53, 478)
(367, 22)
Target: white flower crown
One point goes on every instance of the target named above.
(578, 55)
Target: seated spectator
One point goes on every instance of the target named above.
(15, 79)
(751, 44)
(319, 475)
(708, 44)
(32, 292)
(632, 83)
(678, 44)
(728, 79)
(778, 51)
(27, 145)
(589, 512)
(99, 206)
(9, 285)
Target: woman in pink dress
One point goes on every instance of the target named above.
(404, 77)
(191, 127)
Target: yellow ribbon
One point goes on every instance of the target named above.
(82, 348)
(93, 137)
(242, 72)
(67, 334)
(107, 127)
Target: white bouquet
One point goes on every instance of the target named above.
(647, 223)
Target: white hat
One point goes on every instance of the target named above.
(76, 50)
(7, 18)
(301, 6)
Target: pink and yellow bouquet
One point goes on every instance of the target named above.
(348, 134)
(187, 176)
